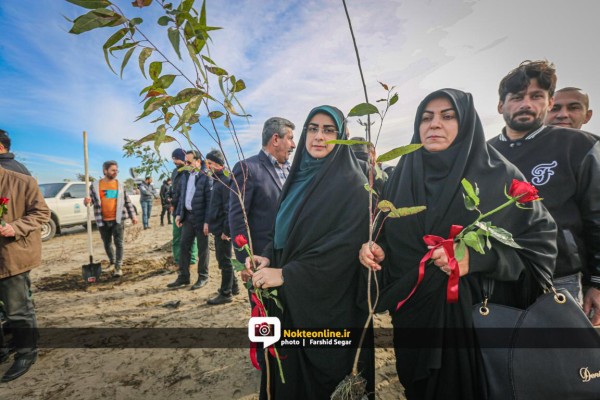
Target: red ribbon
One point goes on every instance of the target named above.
(448, 246)
(259, 311)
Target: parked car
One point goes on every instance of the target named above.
(65, 200)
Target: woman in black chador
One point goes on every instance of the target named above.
(321, 223)
(449, 366)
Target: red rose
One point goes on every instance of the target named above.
(524, 191)
(240, 241)
(4, 201)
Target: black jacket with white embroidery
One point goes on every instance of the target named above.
(564, 165)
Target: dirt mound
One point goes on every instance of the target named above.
(133, 271)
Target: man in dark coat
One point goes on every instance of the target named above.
(191, 215)
(7, 159)
(218, 225)
(564, 165)
(165, 201)
(259, 179)
(178, 157)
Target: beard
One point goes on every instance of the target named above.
(525, 126)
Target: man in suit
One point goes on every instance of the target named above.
(258, 181)
(191, 215)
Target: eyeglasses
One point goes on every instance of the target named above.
(327, 130)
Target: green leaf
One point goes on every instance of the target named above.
(185, 95)
(226, 172)
(189, 110)
(194, 119)
(155, 70)
(363, 109)
(173, 34)
(459, 251)
(144, 55)
(239, 86)
(216, 70)
(406, 211)
(470, 191)
(472, 240)
(164, 20)
(152, 105)
(136, 21)
(368, 189)
(237, 266)
(92, 20)
(398, 152)
(161, 133)
(165, 81)
(394, 99)
(91, 4)
(123, 46)
(208, 59)
(277, 303)
(215, 114)
(145, 139)
(469, 204)
(503, 236)
(126, 60)
(386, 206)
(111, 41)
(347, 142)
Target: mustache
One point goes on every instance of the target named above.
(525, 112)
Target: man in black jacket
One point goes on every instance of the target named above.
(191, 215)
(564, 165)
(7, 159)
(218, 225)
(165, 201)
(178, 157)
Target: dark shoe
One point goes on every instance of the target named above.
(21, 365)
(178, 282)
(235, 290)
(199, 283)
(4, 356)
(219, 299)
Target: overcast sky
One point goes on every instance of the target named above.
(293, 55)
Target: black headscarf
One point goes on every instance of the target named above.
(433, 179)
(320, 266)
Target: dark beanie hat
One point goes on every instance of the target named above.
(216, 156)
(178, 154)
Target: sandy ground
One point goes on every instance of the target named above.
(138, 300)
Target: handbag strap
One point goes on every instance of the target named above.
(545, 281)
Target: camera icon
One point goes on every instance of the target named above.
(265, 330)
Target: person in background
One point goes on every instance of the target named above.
(147, 196)
(7, 159)
(112, 207)
(178, 157)
(165, 202)
(191, 215)
(571, 108)
(218, 225)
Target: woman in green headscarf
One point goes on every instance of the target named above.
(321, 223)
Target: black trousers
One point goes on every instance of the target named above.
(188, 233)
(165, 210)
(113, 232)
(223, 250)
(15, 294)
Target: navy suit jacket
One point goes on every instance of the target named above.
(261, 191)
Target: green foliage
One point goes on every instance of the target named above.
(237, 266)
(347, 142)
(363, 109)
(387, 206)
(398, 152)
(150, 161)
(471, 197)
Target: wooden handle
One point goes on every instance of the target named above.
(87, 194)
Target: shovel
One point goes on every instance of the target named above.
(91, 272)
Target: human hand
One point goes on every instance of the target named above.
(205, 229)
(134, 220)
(266, 278)
(225, 237)
(87, 201)
(371, 255)
(178, 221)
(7, 230)
(440, 259)
(259, 262)
(591, 301)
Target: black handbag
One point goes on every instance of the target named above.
(548, 351)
